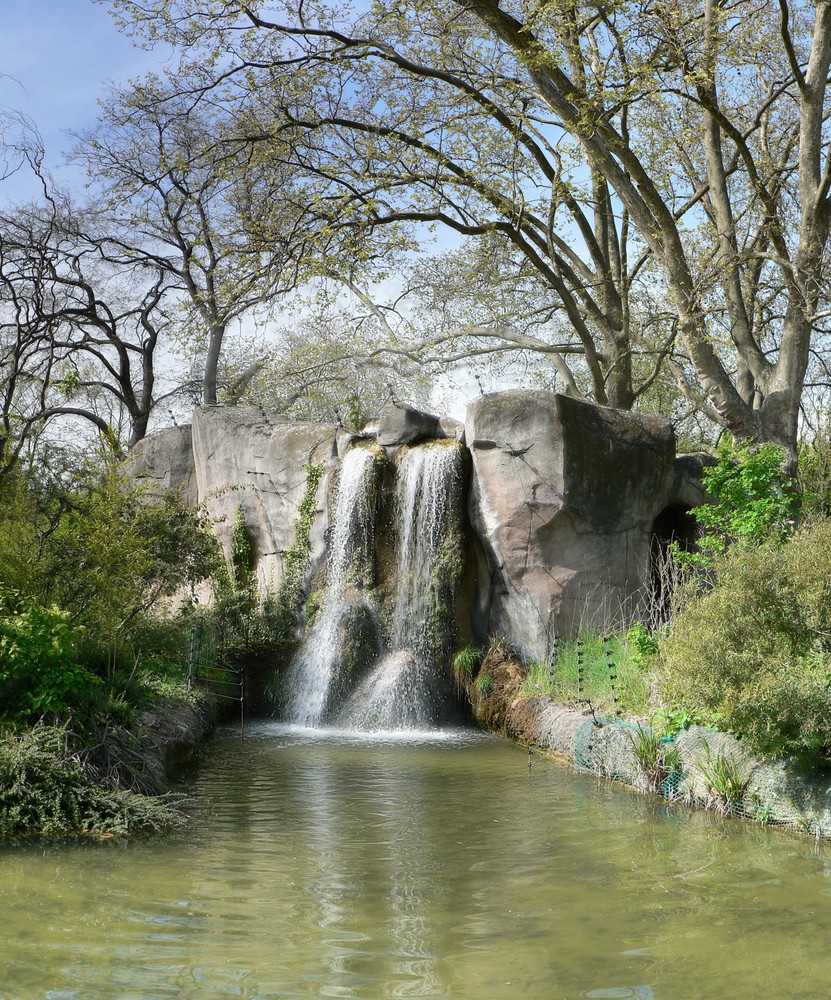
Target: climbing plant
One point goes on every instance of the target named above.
(285, 609)
(242, 551)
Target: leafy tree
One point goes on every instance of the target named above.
(327, 365)
(685, 149)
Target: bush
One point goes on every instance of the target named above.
(44, 789)
(755, 651)
(814, 474)
(753, 502)
(100, 548)
(39, 674)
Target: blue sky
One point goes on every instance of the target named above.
(57, 57)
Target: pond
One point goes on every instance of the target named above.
(326, 865)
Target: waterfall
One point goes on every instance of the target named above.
(428, 478)
(408, 689)
(315, 672)
(344, 672)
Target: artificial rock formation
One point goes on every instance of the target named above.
(239, 458)
(563, 500)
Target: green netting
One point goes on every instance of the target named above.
(700, 767)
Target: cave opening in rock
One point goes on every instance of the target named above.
(675, 524)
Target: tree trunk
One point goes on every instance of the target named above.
(209, 397)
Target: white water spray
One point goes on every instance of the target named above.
(407, 690)
(314, 670)
(340, 674)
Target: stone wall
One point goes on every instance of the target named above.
(780, 792)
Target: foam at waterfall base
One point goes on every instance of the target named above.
(393, 696)
(291, 733)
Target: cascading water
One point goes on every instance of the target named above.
(403, 688)
(316, 671)
(407, 689)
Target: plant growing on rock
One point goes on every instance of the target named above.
(656, 757)
(484, 684)
(726, 779)
(465, 664)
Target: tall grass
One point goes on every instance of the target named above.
(559, 680)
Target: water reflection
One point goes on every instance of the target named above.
(335, 866)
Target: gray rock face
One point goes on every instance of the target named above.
(165, 461)
(564, 497)
(403, 424)
(564, 500)
(237, 457)
(244, 460)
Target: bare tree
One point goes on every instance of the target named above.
(80, 339)
(179, 193)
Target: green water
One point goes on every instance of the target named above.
(330, 867)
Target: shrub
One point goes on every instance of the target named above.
(44, 789)
(39, 674)
(814, 475)
(755, 652)
(753, 501)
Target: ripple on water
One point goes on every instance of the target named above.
(342, 864)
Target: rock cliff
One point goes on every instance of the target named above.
(563, 502)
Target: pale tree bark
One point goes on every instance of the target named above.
(769, 410)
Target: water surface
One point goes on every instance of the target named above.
(324, 865)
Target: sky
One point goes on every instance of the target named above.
(57, 57)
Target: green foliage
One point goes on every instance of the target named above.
(501, 644)
(239, 615)
(484, 684)
(814, 475)
(672, 720)
(754, 653)
(356, 414)
(762, 811)
(103, 550)
(242, 551)
(466, 662)
(753, 501)
(560, 680)
(656, 757)
(87, 558)
(289, 600)
(44, 789)
(39, 672)
(640, 644)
